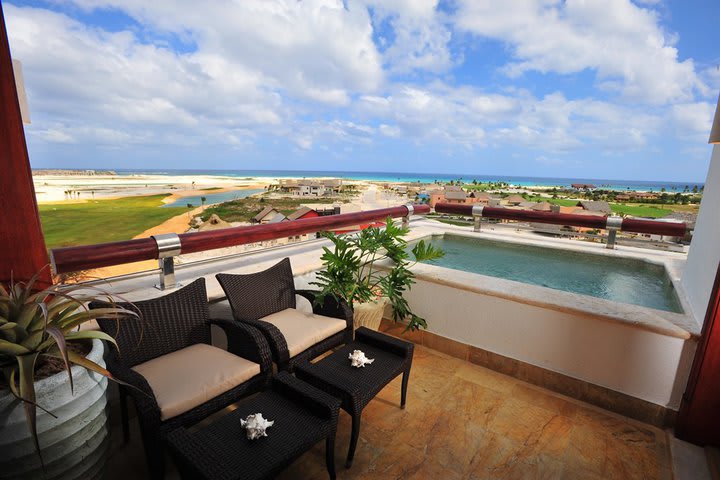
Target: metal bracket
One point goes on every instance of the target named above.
(406, 218)
(169, 246)
(477, 211)
(612, 225)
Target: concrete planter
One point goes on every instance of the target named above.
(368, 314)
(74, 445)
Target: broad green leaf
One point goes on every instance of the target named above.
(9, 348)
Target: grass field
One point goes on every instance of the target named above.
(638, 210)
(634, 209)
(99, 221)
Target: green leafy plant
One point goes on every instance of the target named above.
(351, 270)
(39, 325)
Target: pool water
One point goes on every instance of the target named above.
(211, 198)
(618, 279)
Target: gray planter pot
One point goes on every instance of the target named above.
(74, 445)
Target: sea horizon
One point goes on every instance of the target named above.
(405, 177)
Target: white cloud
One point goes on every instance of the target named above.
(693, 119)
(420, 36)
(297, 46)
(621, 41)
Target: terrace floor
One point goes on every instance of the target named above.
(465, 421)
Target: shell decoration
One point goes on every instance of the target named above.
(358, 359)
(255, 425)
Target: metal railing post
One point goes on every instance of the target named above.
(406, 218)
(612, 225)
(477, 211)
(169, 246)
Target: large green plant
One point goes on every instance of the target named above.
(36, 325)
(351, 269)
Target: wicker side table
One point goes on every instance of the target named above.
(303, 416)
(355, 387)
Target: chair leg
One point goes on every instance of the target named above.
(403, 392)
(353, 439)
(330, 455)
(124, 415)
(154, 453)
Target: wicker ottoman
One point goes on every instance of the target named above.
(355, 387)
(303, 416)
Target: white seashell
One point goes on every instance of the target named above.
(358, 359)
(255, 425)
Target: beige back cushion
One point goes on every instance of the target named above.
(302, 330)
(187, 378)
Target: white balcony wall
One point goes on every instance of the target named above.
(624, 358)
(704, 254)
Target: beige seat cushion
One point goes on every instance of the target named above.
(302, 330)
(184, 379)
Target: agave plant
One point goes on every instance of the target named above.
(351, 271)
(35, 325)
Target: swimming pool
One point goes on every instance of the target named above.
(614, 278)
(211, 198)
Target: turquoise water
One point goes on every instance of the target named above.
(670, 186)
(211, 198)
(618, 279)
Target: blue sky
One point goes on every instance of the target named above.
(593, 89)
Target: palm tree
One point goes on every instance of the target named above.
(190, 207)
(202, 202)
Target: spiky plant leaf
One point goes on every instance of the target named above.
(58, 337)
(26, 374)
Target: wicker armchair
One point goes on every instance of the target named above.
(178, 377)
(266, 300)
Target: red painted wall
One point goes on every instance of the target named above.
(22, 245)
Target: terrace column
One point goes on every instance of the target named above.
(22, 245)
(699, 416)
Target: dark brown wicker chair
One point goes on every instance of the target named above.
(178, 377)
(266, 300)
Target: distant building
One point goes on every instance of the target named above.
(269, 215)
(455, 194)
(310, 188)
(302, 213)
(514, 200)
(595, 206)
(583, 186)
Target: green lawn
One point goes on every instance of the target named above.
(100, 221)
(641, 210)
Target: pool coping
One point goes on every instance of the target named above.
(679, 325)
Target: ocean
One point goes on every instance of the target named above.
(642, 185)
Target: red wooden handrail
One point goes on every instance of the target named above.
(672, 229)
(72, 259)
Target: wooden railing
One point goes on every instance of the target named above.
(601, 222)
(84, 257)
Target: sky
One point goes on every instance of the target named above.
(612, 89)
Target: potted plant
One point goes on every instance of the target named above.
(49, 365)
(356, 271)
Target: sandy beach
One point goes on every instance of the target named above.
(54, 188)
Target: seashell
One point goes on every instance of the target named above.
(256, 425)
(358, 359)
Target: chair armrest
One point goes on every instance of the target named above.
(385, 342)
(246, 341)
(318, 402)
(276, 340)
(330, 307)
